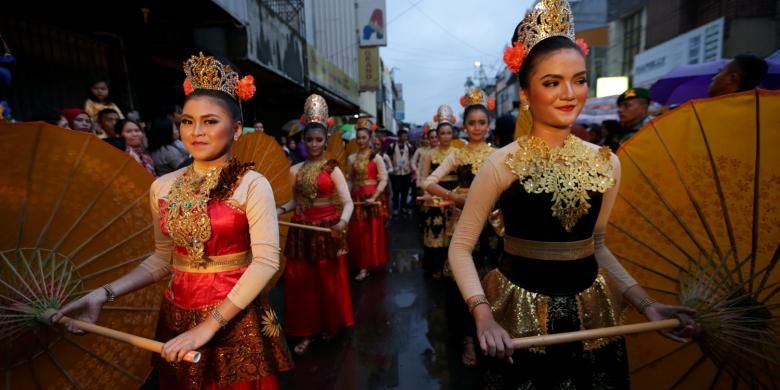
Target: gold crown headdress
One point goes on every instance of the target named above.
(547, 18)
(476, 96)
(315, 109)
(444, 114)
(208, 73)
(365, 123)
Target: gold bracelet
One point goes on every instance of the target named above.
(475, 301)
(218, 317)
(645, 303)
(110, 295)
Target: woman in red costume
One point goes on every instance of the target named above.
(216, 235)
(316, 287)
(368, 174)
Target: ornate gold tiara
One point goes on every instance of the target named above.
(474, 96)
(208, 73)
(547, 18)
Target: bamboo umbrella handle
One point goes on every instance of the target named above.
(302, 226)
(568, 337)
(136, 341)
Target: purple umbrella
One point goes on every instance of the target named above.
(686, 82)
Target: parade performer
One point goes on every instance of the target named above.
(316, 286)
(216, 235)
(466, 162)
(419, 155)
(368, 233)
(556, 193)
(435, 213)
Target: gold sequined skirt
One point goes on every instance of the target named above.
(524, 313)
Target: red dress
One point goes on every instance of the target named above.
(239, 357)
(367, 228)
(316, 286)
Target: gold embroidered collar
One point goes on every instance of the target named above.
(188, 219)
(360, 166)
(567, 172)
(474, 156)
(306, 182)
(438, 155)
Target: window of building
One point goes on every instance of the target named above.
(632, 40)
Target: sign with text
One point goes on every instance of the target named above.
(369, 69)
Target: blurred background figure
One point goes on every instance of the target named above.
(743, 73)
(633, 107)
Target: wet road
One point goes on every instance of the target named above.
(400, 339)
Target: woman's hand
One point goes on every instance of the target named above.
(175, 349)
(87, 308)
(659, 311)
(493, 339)
(458, 199)
(338, 230)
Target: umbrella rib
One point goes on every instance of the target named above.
(661, 357)
(756, 177)
(666, 203)
(658, 229)
(649, 248)
(718, 186)
(770, 268)
(119, 215)
(111, 248)
(716, 378)
(660, 290)
(691, 198)
(648, 269)
(65, 372)
(100, 358)
(61, 195)
(113, 267)
(28, 188)
(87, 209)
(688, 372)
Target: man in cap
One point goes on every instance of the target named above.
(633, 106)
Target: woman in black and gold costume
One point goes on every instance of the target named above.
(466, 162)
(556, 193)
(435, 215)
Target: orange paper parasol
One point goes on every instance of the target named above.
(77, 216)
(336, 150)
(697, 221)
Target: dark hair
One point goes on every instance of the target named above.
(315, 126)
(539, 51)
(403, 131)
(121, 124)
(472, 108)
(364, 129)
(436, 130)
(751, 70)
(106, 111)
(92, 84)
(226, 101)
(49, 115)
(160, 134)
(452, 128)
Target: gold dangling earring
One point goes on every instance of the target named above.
(525, 107)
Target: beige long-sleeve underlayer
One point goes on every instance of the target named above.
(446, 168)
(381, 170)
(342, 191)
(253, 195)
(491, 181)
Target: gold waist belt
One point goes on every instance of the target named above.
(368, 182)
(449, 178)
(548, 250)
(221, 263)
(322, 202)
